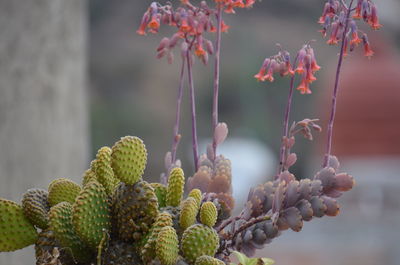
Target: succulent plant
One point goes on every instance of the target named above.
(208, 260)
(189, 210)
(16, 231)
(104, 172)
(208, 214)
(161, 192)
(36, 207)
(167, 246)
(196, 193)
(62, 190)
(199, 240)
(135, 208)
(176, 184)
(129, 159)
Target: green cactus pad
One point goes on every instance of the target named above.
(167, 246)
(91, 214)
(16, 231)
(148, 251)
(161, 193)
(128, 159)
(196, 193)
(199, 240)
(63, 190)
(104, 172)
(61, 223)
(135, 209)
(189, 211)
(36, 207)
(208, 214)
(88, 176)
(176, 183)
(207, 260)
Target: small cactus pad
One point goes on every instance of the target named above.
(61, 223)
(135, 209)
(148, 251)
(16, 231)
(104, 172)
(207, 260)
(167, 246)
(161, 193)
(196, 193)
(88, 176)
(208, 214)
(91, 214)
(176, 183)
(63, 190)
(199, 240)
(189, 210)
(36, 207)
(128, 159)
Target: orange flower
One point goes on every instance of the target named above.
(355, 39)
(224, 27)
(142, 29)
(249, 3)
(303, 87)
(368, 51)
(374, 20)
(239, 3)
(199, 50)
(300, 69)
(260, 75)
(154, 23)
(185, 26)
(229, 9)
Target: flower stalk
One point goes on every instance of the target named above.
(336, 88)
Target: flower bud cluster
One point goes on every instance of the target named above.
(305, 65)
(338, 20)
(191, 23)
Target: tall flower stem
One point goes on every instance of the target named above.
(177, 136)
(216, 76)
(336, 89)
(193, 110)
(286, 121)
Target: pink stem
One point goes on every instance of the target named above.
(193, 111)
(335, 90)
(216, 76)
(176, 138)
(286, 122)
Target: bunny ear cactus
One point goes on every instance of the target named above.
(167, 246)
(16, 231)
(103, 170)
(208, 214)
(176, 184)
(91, 214)
(63, 190)
(62, 226)
(207, 260)
(36, 207)
(189, 210)
(128, 159)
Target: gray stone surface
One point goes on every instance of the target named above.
(43, 100)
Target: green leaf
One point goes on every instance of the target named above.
(244, 260)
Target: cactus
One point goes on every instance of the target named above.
(135, 208)
(36, 207)
(208, 214)
(88, 176)
(61, 223)
(199, 240)
(148, 251)
(91, 214)
(176, 183)
(167, 246)
(207, 260)
(161, 192)
(128, 159)
(103, 170)
(196, 193)
(62, 190)
(16, 231)
(189, 210)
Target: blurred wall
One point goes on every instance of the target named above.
(43, 108)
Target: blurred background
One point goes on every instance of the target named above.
(74, 76)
